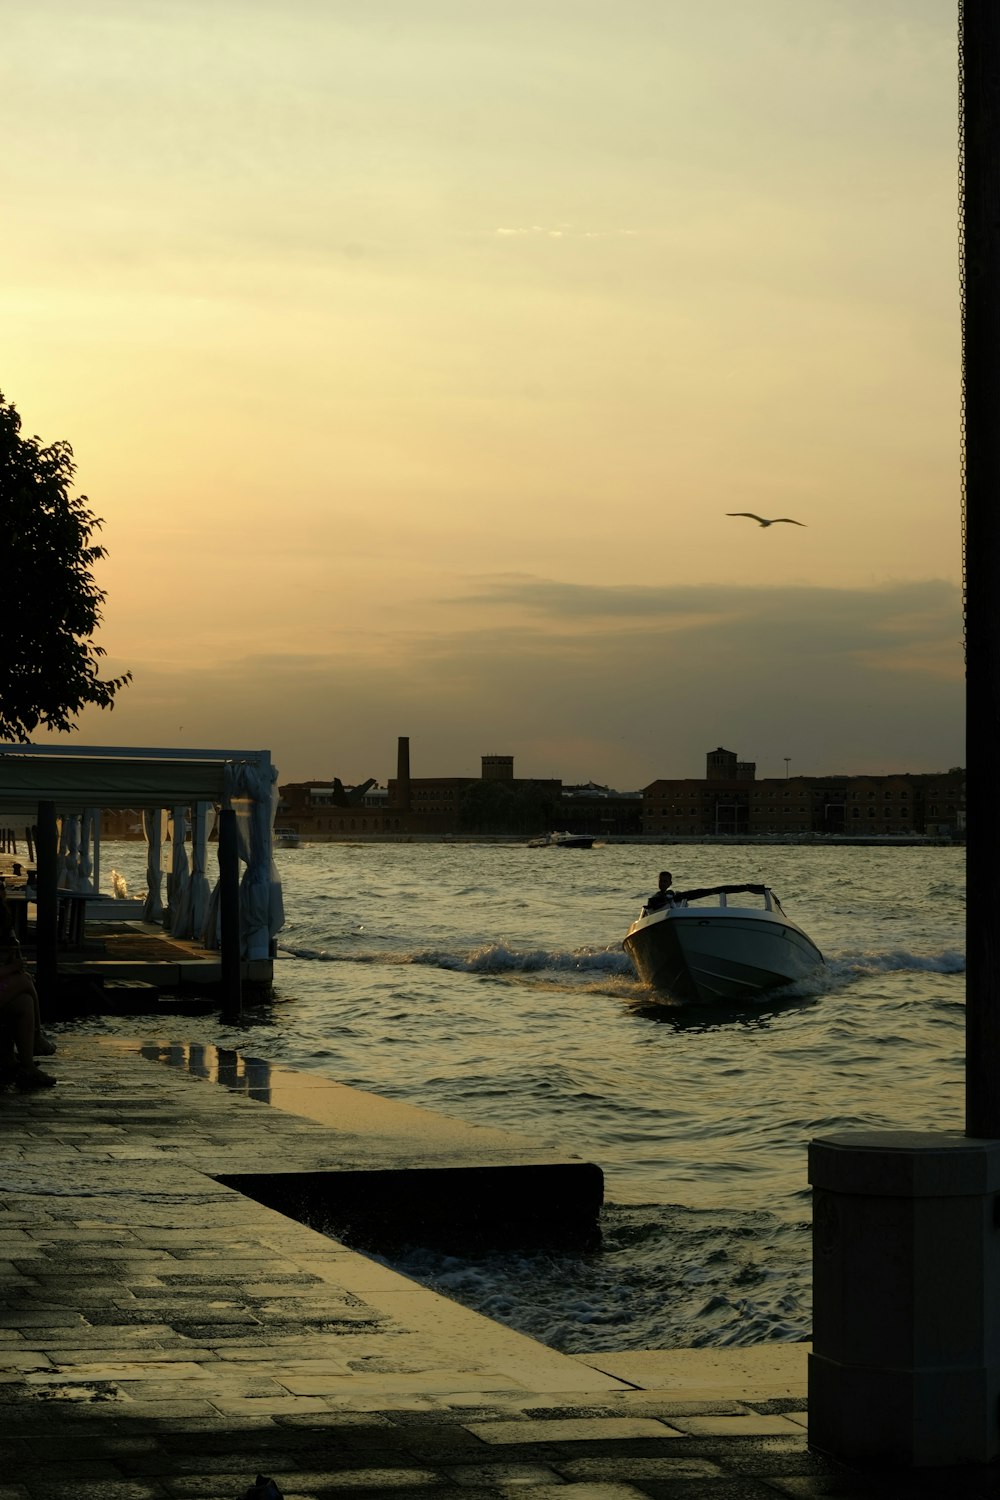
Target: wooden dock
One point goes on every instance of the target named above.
(126, 960)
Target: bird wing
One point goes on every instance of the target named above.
(790, 521)
(750, 514)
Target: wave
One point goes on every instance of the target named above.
(731, 1277)
(836, 975)
(898, 960)
(500, 958)
(491, 958)
(844, 968)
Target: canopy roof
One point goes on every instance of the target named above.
(90, 776)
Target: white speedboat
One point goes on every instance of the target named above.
(702, 945)
(563, 841)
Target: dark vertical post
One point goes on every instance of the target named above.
(229, 916)
(980, 71)
(403, 772)
(47, 904)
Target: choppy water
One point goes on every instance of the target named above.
(488, 982)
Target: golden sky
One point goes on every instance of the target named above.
(413, 352)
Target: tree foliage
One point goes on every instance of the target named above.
(504, 807)
(52, 606)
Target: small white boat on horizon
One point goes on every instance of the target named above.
(563, 840)
(719, 952)
(285, 838)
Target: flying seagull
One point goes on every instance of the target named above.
(763, 519)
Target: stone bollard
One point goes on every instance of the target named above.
(905, 1365)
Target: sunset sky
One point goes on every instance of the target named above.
(413, 352)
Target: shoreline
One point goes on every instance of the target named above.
(651, 840)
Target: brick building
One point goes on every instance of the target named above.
(414, 805)
(730, 800)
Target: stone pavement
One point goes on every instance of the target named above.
(162, 1335)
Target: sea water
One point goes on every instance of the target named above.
(488, 982)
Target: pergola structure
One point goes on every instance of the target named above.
(58, 792)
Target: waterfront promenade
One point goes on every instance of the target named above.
(164, 1335)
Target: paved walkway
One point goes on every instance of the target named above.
(162, 1335)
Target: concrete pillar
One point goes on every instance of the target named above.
(905, 1367)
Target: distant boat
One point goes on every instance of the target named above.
(563, 840)
(285, 838)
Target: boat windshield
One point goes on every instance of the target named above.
(722, 891)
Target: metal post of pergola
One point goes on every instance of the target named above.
(980, 224)
(905, 1364)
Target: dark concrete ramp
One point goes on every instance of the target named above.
(383, 1172)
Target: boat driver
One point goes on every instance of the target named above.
(662, 896)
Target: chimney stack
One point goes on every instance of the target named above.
(403, 771)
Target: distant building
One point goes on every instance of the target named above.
(326, 809)
(731, 801)
(462, 804)
(720, 765)
(498, 767)
(597, 809)
(496, 801)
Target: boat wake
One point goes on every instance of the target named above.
(498, 958)
(609, 970)
(948, 962)
(491, 958)
(848, 968)
(836, 975)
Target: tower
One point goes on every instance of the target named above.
(720, 765)
(498, 768)
(403, 771)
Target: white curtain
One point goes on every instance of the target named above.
(64, 869)
(178, 881)
(152, 827)
(201, 891)
(74, 853)
(90, 850)
(211, 934)
(252, 792)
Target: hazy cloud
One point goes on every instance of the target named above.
(562, 231)
(795, 620)
(621, 684)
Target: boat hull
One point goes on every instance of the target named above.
(563, 841)
(713, 954)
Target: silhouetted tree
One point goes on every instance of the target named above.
(536, 808)
(51, 604)
(486, 807)
(504, 807)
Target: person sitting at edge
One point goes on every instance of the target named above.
(662, 896)
(21, 1036)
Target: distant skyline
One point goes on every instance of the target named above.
(415, 356)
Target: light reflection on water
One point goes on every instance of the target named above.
(488, 982)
